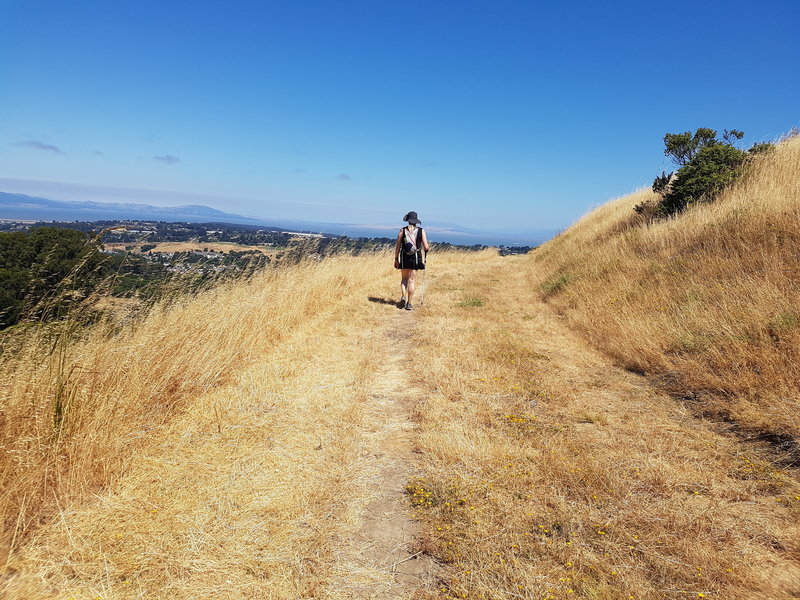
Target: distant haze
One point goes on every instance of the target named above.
(503, 117)
(24, 207)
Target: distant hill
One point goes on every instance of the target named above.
(707, 300)
(23, 207)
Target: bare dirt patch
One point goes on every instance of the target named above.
(383, 557)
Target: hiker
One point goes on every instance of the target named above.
(409, 256)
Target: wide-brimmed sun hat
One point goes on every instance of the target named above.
(412, 218)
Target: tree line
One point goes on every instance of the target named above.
(45, 271)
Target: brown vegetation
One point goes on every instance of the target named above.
(229, 444)
(78, 407)
(708, 300)
(550, 474)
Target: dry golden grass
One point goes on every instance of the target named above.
(549, 473)
(709, 300)
(175, 417)
(224, 445)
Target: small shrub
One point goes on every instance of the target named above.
(692, 343)
(469, 302)
(555, 284)
(646, 210)
(781, 324)
(660, 185)
(762, 148)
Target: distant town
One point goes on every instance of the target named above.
(223, 245)
(139, 261)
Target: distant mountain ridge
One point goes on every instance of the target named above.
(34, 208)
(22, 206)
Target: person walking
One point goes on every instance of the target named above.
(409, 256)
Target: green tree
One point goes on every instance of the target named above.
(683, 147)
(45, 263)
(707, 166)
(713, 168)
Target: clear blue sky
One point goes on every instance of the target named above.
(508, 115)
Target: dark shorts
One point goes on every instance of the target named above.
(411, 261)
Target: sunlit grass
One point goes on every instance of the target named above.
(709, 300)
(78, 402)
(550, 474)
(211, 446)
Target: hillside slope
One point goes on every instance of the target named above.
(708, 301)
(319, 443)
(223, 446)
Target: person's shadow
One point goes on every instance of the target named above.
(394, 303)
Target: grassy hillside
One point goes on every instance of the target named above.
(235, 443)
(77, 404)
(709, 301)
(549, 474)
(231, 444)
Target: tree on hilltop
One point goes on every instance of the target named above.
(707, 165)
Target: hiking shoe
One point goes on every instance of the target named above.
(408, 306)
(402, 303)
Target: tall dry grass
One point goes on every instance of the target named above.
(250, 490)
(708, 300)
(550, 474)
(77, 405)
(544, 472)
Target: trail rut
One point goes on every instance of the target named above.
(290, 482)
(382, 558)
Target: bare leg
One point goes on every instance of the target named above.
(410, 285)
(405, 274)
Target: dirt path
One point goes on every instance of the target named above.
(381, 559)
(560, 475)
(289, 483)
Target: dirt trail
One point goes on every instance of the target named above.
(288, 483)
(381, 559)
(526, 420)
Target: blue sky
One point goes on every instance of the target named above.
(503, 115)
